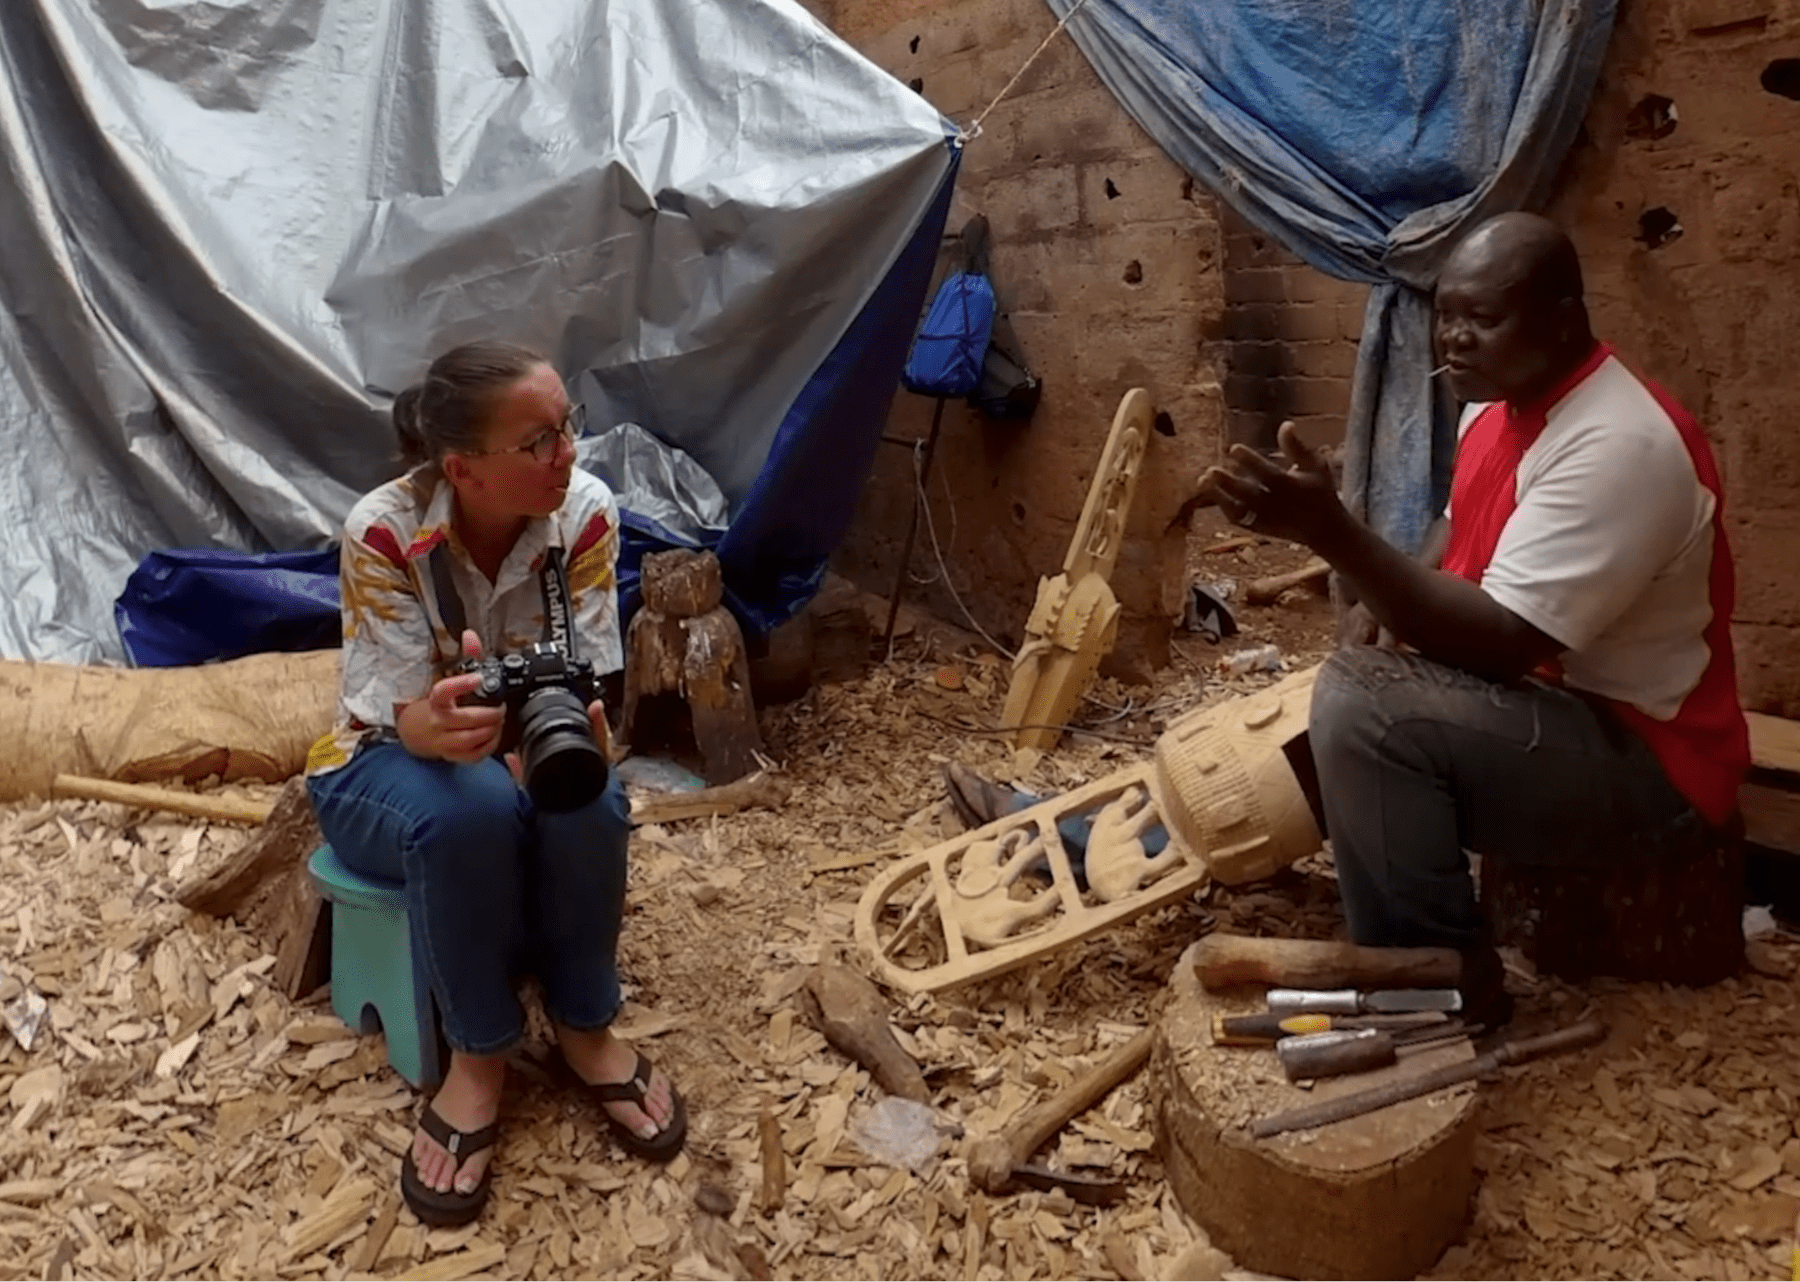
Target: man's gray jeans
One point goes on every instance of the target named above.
(1419, 763)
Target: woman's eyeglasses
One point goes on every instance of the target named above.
(547, 444)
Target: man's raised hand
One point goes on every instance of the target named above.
(1296, 502)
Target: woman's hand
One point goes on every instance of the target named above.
(441, 728)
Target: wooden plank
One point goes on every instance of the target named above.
(1774, 742)
(1771, 817)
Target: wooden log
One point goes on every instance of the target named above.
(1674, 917)
(852, 1014)
(250, 718)
(265, 887)
(1267, 591)
(197, 805)
(1377, 1196)
(759, 789)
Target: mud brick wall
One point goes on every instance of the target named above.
(1683, 195)
(1109, 260)
(1682, 192)
(1289, 348)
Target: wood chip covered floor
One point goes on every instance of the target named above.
(176, 1118)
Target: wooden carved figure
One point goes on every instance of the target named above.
(987, 911)
(1076, 617)
(1117, 864)
(1221, 784)
(685, 644)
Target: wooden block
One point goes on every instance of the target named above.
(1677, 918)
(265, 887)
(1378, 1196)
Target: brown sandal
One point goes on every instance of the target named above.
(448, 1208)
(636, 1090)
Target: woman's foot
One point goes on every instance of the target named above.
(600, 1059)
(469, 1100)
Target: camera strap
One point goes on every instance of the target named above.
(553, 583)
(559, 609)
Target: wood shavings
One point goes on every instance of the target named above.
(211, 1121)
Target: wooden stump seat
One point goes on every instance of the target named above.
(1675, 916)
(1376, 1196)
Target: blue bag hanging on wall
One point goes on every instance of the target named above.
(947, 355)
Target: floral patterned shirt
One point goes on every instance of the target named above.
(396, 641)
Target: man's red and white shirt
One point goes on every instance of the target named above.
(1597, 517)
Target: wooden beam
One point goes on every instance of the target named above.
(197, 805)
(1771, 817)
(1774, 742)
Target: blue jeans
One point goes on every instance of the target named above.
(493, 886)
(1419, 763)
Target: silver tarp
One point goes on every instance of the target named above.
(230, 230)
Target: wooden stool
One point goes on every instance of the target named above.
(1676, 917)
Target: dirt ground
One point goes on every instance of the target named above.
(176, 1118)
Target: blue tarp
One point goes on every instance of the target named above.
(1367, 136)
(231, 233)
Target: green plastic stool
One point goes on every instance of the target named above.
(375, 982)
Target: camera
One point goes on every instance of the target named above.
(546, 696)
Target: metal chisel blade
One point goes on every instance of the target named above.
(1394, 1000)
(1348, 1001)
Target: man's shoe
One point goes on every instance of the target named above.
(977, 801)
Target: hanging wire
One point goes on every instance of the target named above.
(937, 552)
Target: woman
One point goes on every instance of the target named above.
(440, 566)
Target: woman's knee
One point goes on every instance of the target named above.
(475, 807)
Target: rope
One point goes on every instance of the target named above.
(974, 130)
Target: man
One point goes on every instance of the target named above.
(1565, 693)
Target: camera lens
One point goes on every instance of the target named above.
(564, 767)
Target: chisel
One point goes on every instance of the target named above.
(1587, 1033)
(1336, 1053)
(1272, 1026)
(1348, 1001)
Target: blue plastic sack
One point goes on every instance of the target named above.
(952, 344)
(188, 607)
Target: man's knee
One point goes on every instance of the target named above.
(1346, 695)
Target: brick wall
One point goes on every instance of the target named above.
(1110, 262)
(1289, 348)
(1684, 198)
